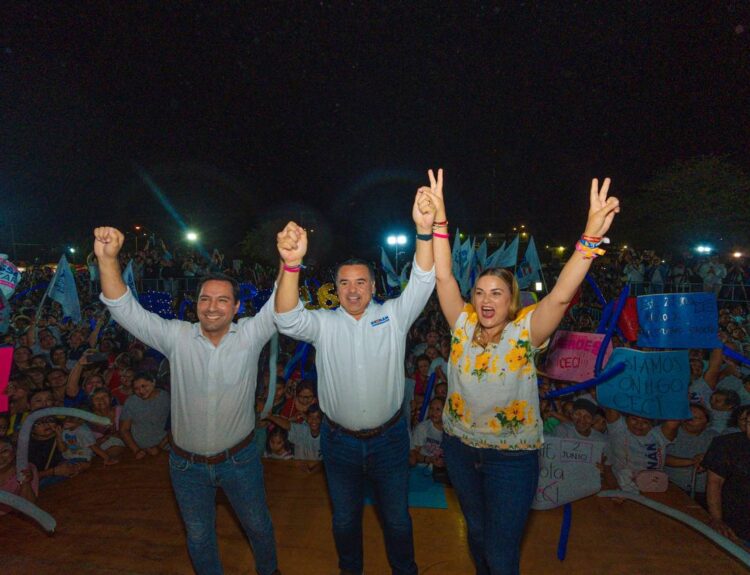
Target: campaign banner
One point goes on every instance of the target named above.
(572, 355)
(688, 320)
(654, 384)
(567, 471)
(10, 276)
(6, 360)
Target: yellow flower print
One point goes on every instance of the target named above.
(530, 419)
(456, 405)
(457, 350)
(524, 334)
(494, 425)
(516, 358)
(493, 364)
(482, 361)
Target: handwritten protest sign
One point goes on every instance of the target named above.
(678, 321)
(573, 354)
(567, 471)
(654, 384)
(6, 358)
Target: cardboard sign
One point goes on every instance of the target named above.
(686, 321)
(654, 384)
(573, 354)
(567, 471)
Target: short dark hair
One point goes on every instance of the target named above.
(219, 277)
(734, 420)
(39, 390)
(355, 262)
(702, 408)
(147, 375)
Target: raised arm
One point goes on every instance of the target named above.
(451, 302)
(107, 245)
(551, 309)
(292, 245)
(423, 214)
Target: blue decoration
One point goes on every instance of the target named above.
(612, 325)
(427, 396)
(159, 303)
(562, 543)
(597, 291)
(735, 356)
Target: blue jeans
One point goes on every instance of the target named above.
(495, 489)
(241, 478)
(385, 460)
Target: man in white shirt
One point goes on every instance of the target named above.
(360, 362)
(213, 375)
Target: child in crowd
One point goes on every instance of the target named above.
(305, 437)
(428, 435)
(685, 454)
(421, 374)
(77, 441)
(722, 402)
(277, 444)
(638, 450)
(143, 421)
(109, 444)
(28, 484)
(304, 396)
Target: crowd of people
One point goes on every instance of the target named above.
(126, 371)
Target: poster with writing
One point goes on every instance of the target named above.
(6, 358)
(567, 471)
(688, 320)
(572, 355)
(654, 384)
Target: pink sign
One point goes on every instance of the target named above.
(573, 354)
(6, 358)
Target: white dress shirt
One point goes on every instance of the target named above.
(360, 363)
(212, 387)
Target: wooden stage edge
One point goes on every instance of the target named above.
(124, 520)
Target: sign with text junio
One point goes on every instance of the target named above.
(688, 320)
(567, 471)
(573, 354)
(654, 384)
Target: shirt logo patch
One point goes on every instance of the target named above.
(380, 321)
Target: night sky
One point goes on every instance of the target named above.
(331, 112)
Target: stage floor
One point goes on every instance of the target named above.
(124, 520)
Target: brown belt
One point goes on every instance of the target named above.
(212, 459)
(367, 433)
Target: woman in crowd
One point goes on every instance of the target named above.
(492, 424)
(109, 444)
(143, 421)
(728, 487)
(26, 486)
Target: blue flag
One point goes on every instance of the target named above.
(481, 254)
(129, 278)
(390, 273)
(530, 268)
(507, 258)
(62, 289)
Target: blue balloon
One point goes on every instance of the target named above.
(601, 378)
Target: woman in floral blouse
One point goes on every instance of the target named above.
(492, 425)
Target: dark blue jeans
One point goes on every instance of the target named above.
(385, 460)
(241, 478)
(495, 489)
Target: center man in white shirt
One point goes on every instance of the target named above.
(360, 360)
